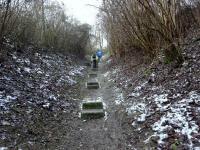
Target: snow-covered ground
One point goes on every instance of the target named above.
(162, 102)
(44, 73)
(35, 84)
(177, 117)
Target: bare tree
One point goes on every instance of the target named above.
(42, 24)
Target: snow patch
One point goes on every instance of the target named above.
(116, 70)
(46, 105)
(3, 148)
(52, 97)
(5, 123)
(138, 88)
(134, 94)
(119, 98)
(27, 69)
(7, 99)
(178, 118)
(76, 71)
(140, 112)
(106, 74)
(71, 81)
(27, 61)
(159, 100)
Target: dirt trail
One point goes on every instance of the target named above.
(62, 129)
(105, 133)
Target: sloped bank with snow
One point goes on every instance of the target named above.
(36, 91)
(163, 102)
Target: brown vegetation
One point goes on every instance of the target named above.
(42, 24)
(146, 27)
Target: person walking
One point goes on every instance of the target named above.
(94, 61)
(99, 54)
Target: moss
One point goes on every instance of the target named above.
(173, 53)
(147, 72)
(92, 105)
(174, 145)
(92, 116)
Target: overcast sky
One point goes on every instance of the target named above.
(80, 10)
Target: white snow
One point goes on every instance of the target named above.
(66, 79)
(106, 74)
(154, 88)
(76, 71)
(141, 118)
(5, 78)
(52, 97)
(46, 105)
(159, 100)
(194, 96)
(152, 77)
(119, 98)
(37, 54)
(9, 98)
(136, 107)
(140, 111)
(14, 56)
(178, 115)
(5, 123)
(138, 88)
(106, 116)
(19, 70)
(71, 81)
(3, 148)
(27, 69)
(137, 94)
(19, 61)
(38, 71)
(27, 61)
(116, 70)
(108, 61)
(4, 100)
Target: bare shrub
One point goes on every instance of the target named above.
(149, 25)
(42, 24)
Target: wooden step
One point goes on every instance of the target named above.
(92, 113)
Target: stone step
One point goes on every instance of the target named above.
(92, 105)
(94, 69)
(92, 85)
(92, 113)
(92, 75)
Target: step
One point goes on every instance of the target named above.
(94, 69)
(92, 85)
(92, 75)
(92, 105)
(92, 113)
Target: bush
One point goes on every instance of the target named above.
(149, 25)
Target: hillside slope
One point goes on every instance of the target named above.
(38, 95)
(162, 100)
